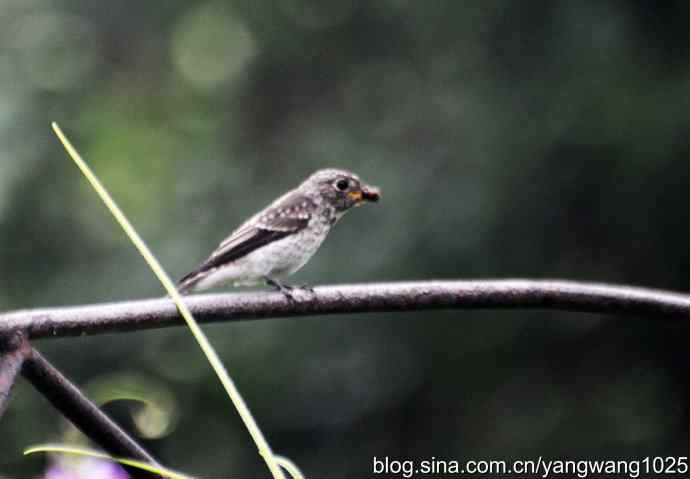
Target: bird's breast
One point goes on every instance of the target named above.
(285, 256)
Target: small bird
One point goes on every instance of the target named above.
(279, 240)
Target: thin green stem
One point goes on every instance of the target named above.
(213, 359)
(78, 451)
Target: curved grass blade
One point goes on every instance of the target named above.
(289, 466)
(78, 451)
(213, 359)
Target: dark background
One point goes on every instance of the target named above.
(510, 139)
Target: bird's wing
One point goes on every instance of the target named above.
(288, 215)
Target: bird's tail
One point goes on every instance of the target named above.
(187, 283)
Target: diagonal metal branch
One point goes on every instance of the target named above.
(84, 414)
(361, 298)
(14, 349)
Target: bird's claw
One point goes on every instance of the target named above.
(287, 292)
(304, 287)
(288, 289)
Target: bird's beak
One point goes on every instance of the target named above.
(370, 193)
(366, 193)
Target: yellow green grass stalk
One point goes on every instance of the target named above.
(78, 451)
(213, 359)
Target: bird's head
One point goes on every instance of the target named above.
(340, 188)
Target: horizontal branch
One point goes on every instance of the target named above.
(361, 298)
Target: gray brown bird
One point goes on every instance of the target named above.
(279, 240)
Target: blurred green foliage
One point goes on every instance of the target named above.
(541, 139)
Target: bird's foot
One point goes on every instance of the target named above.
(286, 289)
(304, 287)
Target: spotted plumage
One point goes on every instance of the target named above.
(279, 240)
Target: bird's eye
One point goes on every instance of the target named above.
(342, 184)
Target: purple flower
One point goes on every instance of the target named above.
(84, 468)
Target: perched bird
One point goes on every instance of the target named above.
(279, 240)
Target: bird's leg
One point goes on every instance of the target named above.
(305, 287)
(286, 289)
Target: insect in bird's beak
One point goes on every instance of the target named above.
(366, 193)
(369, 193)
